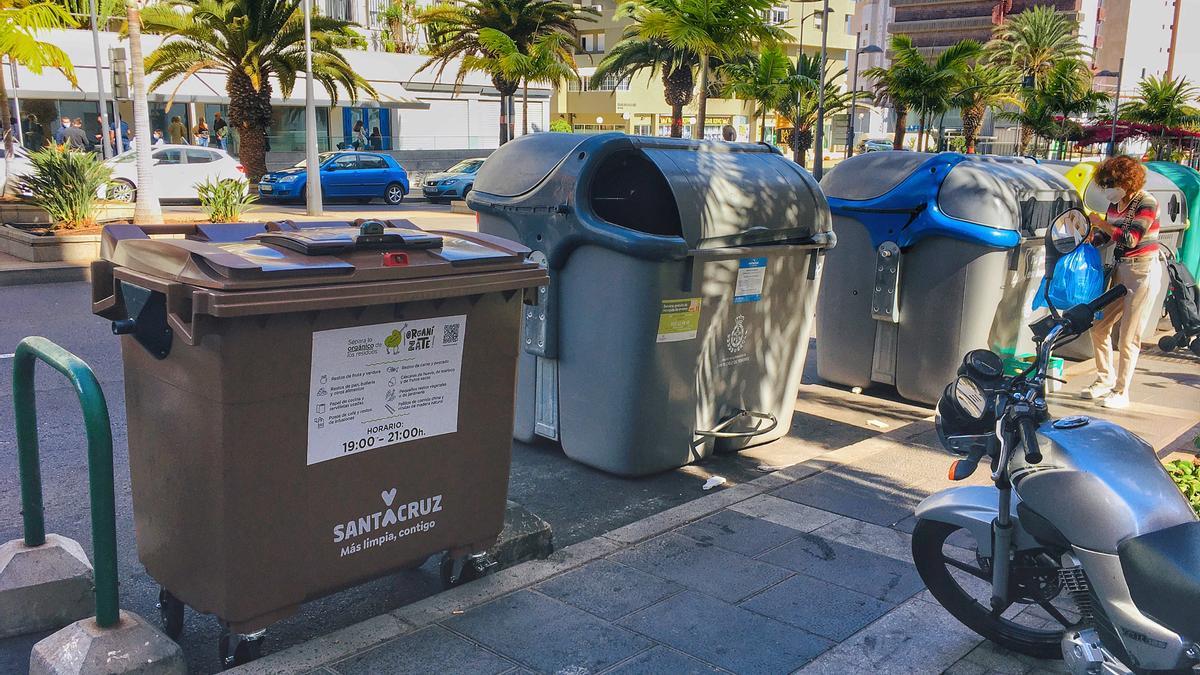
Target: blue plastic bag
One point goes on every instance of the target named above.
(1078, 277)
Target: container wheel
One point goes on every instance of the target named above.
(1168, 343)
(1195, 346)
(170, 608)
(458, 571)
(237, 649)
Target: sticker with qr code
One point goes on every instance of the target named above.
(379, 385)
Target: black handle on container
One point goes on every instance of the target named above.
(1028, 430)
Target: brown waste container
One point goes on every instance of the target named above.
(311, 406)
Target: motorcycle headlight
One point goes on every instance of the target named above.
(963, 410)
(970, 398)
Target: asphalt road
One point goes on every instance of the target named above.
(578, 502)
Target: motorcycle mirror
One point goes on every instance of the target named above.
(1065, 234)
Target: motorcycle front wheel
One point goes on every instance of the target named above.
(961, 581)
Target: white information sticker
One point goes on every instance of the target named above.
(374, 386)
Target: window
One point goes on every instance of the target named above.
(777, 15)
(163, 157)
(591, 43)
(610, 83)
(200, 157)
(371, 162)
(344, 162)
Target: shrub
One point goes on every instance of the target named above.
(66, 183)
(1186, 474)
(561, 125)
(225, 200)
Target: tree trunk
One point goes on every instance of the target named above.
(901, 125)
(972, 119)
(762, 134)
(503, 118)
(146, 209)
(250, 112)
(1023, 139)
(7, 132)
(512, 114)
(803, 140)
(921, 133)
(677, 120)
(754, 123)
(702, 99)
(525, 109)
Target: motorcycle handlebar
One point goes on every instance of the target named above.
(1112, 294)
(1028, 430)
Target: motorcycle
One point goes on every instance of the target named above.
(1084, 549)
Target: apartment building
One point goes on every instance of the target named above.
(934, 25)
(1147, 38)
(636, 105)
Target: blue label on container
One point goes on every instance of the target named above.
(752, 272)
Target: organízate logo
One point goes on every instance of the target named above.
(736, 340)
(384, 524)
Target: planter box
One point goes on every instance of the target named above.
(49, 248)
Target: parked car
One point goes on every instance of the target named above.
(453, 183)
(876, 145)
(357, 175)
(177, 169)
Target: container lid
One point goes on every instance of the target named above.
(250, 256)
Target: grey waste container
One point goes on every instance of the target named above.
(1173, 224)
(683, 276)
(937, 255)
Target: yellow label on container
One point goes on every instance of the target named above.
(680, 320)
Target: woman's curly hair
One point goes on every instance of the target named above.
(1123, 172)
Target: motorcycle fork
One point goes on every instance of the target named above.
(1002, 536)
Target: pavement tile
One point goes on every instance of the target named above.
(910, 639)
(662, 660)
(682, 514)
(547, 635)
(432, 649)
(996, 659)
(327, 648)
(881, 540)
(726, 635)
(785, 512)
(739, 532)
(607, 589)
(857, 494)
(702, 566)
(876, 575)
(818, 607)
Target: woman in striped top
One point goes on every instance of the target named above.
(1131, 226)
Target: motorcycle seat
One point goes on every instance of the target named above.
(1162, 569)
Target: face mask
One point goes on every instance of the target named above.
(1114, 194)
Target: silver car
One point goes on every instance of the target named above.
(453, 183)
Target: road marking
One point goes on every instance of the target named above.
(7, 356)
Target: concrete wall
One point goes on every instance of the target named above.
(418, 163)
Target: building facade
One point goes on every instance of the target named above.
(935, 25)
(1143, 38)
(636, 106)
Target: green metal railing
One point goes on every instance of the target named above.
(100, 462)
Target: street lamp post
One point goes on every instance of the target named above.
(311, 169)
(819, 141)
(858, 51)
(104, 148)
(1112, 139)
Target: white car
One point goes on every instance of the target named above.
(177, 169)
(19, 166)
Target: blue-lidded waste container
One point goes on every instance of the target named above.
(937, 254)
(683, 279)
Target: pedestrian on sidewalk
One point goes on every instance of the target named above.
(1131, 226)
(201, 133)
(360, 136)
(176, 131)
(220, 128)
(74, 137)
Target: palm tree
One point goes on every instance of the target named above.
(146, 208)
(401, 19)
(800, 103)
(1067, 92)
(1163, 103)
(19, 25)
(982, 88)
(763, 79)
(256, 44)
(551, 59)
(454, 33)
(721, 30)
(1034, 40)
(891, 89)
(930, 83)
(633, 55)
(1035, 119)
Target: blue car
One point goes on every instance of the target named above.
(344, 175)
